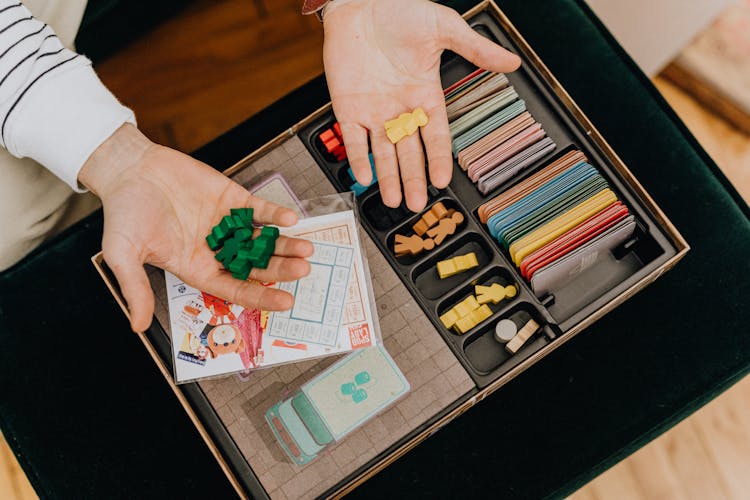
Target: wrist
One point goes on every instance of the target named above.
(113, 159)
(332, 5)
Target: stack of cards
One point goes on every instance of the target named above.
(494, 137)
(558, 222)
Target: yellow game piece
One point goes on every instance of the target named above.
(446, 268)
(458, 311)
(467, 261)
(449, 318)
(471, 320)
(458, 264)
(397, 122)
(420, 117)
(494, 293)
(467, 305)
(405, 124)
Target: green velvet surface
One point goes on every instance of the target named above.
(89, 415)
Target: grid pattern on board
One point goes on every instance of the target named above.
(437, 379)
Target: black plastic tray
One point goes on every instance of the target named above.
(485, 359)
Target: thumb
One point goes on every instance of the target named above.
(134, 284)
(459, 37)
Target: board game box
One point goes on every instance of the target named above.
(542, 231)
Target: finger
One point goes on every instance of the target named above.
(386, 166)
(411, 164)
(293, 247)
(265, 212)
(462, 39)
(282, 269)
(136, 289)
(355, 141)
(437, 141)
(248, 294)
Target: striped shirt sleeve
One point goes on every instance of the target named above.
(53, 107)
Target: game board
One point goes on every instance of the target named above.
(434, 373)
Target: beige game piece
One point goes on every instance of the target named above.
(430, 218)
(411, 245)
(445, 227)
(522, 336)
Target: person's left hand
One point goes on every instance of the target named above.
(382, 58)
(159, 204)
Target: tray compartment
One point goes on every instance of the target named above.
(406, 229)
(486, 355)
(379, 216)
(488, 277)
(425, 275)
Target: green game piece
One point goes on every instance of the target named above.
(228, 253)
(271, 247)
(228, 225)
(213, 244)
(243, 235)
(270, 231)
(219, 234)
(260, 245)
(238, 265)
(262, 262)
(244, 253)
(240, 223)
(246, 214)
(242, 275)
(237, 250)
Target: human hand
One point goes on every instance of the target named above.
(382, 58)
(159, 205)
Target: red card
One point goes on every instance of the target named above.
(463, 80)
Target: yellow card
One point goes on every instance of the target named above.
(565, 222)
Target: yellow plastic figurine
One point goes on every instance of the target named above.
(405, 124)
(466, 315)
(458, 264)
(472, 319)
(459, 311)
(494, 293)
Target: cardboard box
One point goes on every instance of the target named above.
(445, 379)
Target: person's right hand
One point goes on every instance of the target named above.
(159, 205)
(382, 58)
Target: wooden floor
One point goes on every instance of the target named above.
(221, 61)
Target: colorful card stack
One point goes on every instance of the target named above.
(558, 222)
(494, 137)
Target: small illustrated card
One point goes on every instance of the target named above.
(331, 313)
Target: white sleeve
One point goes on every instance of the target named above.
(53, 107)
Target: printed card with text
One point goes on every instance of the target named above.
(331, 314)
